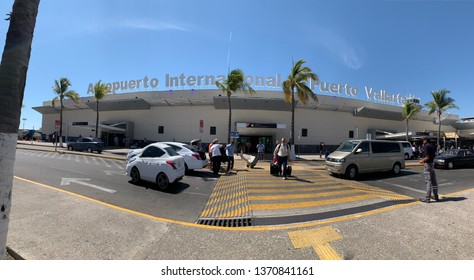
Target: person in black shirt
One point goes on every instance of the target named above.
(429, 153)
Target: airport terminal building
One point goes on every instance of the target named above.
(183, 115)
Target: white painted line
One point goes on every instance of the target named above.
(405, 187)
(85, 159)
(80, 181)
(106, 164)
(114, 172)
(119, 166)
(446, 184)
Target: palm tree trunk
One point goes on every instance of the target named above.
(230, 118)
(407, 130)
(292, 132)
(13, 69)
(60, 140)
(439, 132)
(97, 120)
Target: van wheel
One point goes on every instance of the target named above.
(407, 156)
(89, 150)
(351, 172)
(397, 168)
(450, 165)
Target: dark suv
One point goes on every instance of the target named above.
(86, 144)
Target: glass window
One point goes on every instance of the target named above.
(161, 129)
(153, 152)
(384, 147)
(171, 151)
(213, 130)
(364, 146)
(304, 132)
(348, 146)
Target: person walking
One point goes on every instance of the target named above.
(261, 150)
(322, 149)
(429, 153)
(216, 156)
(229, 151)
(281, 152)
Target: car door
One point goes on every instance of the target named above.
(363, 157)
(148, 163)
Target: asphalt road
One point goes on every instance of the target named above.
(105, 180)
(411, 182)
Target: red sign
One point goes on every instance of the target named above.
(57, 122)
(201, 124)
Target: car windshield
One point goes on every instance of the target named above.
(348, 146)
(171, 151)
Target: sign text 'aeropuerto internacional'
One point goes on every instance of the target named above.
(264, 82)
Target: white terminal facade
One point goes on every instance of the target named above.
(183, 115)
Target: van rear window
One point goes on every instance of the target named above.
(385, 147)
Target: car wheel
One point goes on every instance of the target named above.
(135, 174)
(162, 181)
(99, 151)
(351, 172)
(407, 156)
(397, 168)
(89, 150)
(450, 165)
(70, 148)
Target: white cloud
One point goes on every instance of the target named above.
(153, 25)
(350, 55)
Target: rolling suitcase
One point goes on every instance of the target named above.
(274, 169)
(288, 170)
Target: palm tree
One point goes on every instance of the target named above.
(298, 78)
(409, 111)
(100, 91)
(61, 88)
(439, 104)
(235, 81)
(13, 69)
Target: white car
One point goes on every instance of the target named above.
(157, 163)
(193, 158)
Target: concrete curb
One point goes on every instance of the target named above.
(72, 153)
(14, 254)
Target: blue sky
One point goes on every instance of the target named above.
(399, 46)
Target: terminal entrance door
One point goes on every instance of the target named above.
(248, 144)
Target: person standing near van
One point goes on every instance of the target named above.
(429, 153)
(261, 150)
(322, 149)
(281, 152)
(229, 151)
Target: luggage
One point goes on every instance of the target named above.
(288, 170)
(274, 169)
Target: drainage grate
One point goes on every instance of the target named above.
(246, 222)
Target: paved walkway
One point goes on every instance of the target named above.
(49, 223)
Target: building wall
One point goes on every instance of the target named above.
(181, 123)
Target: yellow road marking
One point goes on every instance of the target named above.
(300, 196)
(276, 206)
(299, 189)
(287, 184)
(319, 239)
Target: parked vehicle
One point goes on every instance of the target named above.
(407, 149)
(363, 156)
(88, 144)
(193, 158)
(157, 163)
(454, 158)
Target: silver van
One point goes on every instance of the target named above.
(365, 156)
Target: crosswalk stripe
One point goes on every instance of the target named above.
(276, 206)
(295, 190)
(301, 196)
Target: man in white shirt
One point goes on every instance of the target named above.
(281, 152)
(216, 158)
